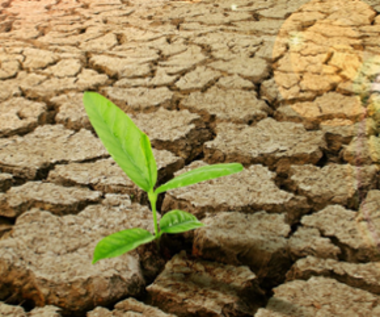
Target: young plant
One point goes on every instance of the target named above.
(131, 150)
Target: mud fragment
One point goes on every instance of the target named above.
(29, 157)
(5, 226)
(20, 116)
(268, 142)
(350, 234)
(71, 112)
(259, 27)
(5, 181)
(43, 260)
(18, 311)
(10, 88)
(249, 191)
(106, 176)
(129, 307)
(140, 99)
(197, 79)
(365, 276)
(330, 106)
(186, 60)
(269, 91)
(333, 184)
(189, 287)
(320, 296)
(103, 43)
(227, 45)
(57, 199)
(117, 67)
(64, 68)
(308, 241)
(233, 105)
(90, 79)
(363, 150)
(234, 82)
(180, 132)
(161, 78)
(9, 69)
(257, 240)
(37, 59)
(255, 69)
(368, 216)
(340, 132)
(50, 87)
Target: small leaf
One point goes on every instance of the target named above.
(124, 141)
(177, 221)
(201, 174)
(121, 242)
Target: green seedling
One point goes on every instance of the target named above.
(132, 151)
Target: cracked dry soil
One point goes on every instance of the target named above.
(288, 88)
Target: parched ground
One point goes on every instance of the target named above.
(288, 88)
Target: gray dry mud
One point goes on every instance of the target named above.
(288, 88)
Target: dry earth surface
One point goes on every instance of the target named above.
(288, 88)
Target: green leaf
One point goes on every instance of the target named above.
(149, 161)
(177, 221)
(126, 143)
(121, 242)
(201, 174)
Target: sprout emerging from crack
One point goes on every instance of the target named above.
(131, 150)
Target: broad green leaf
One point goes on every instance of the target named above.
(177, 221)
(200, 174)
(149, 161)
(126, 143)
(121, 242)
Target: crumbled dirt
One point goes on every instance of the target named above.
(290, 89)
(129, 307)
(47, 259)
(249, 191)
(206, 288)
